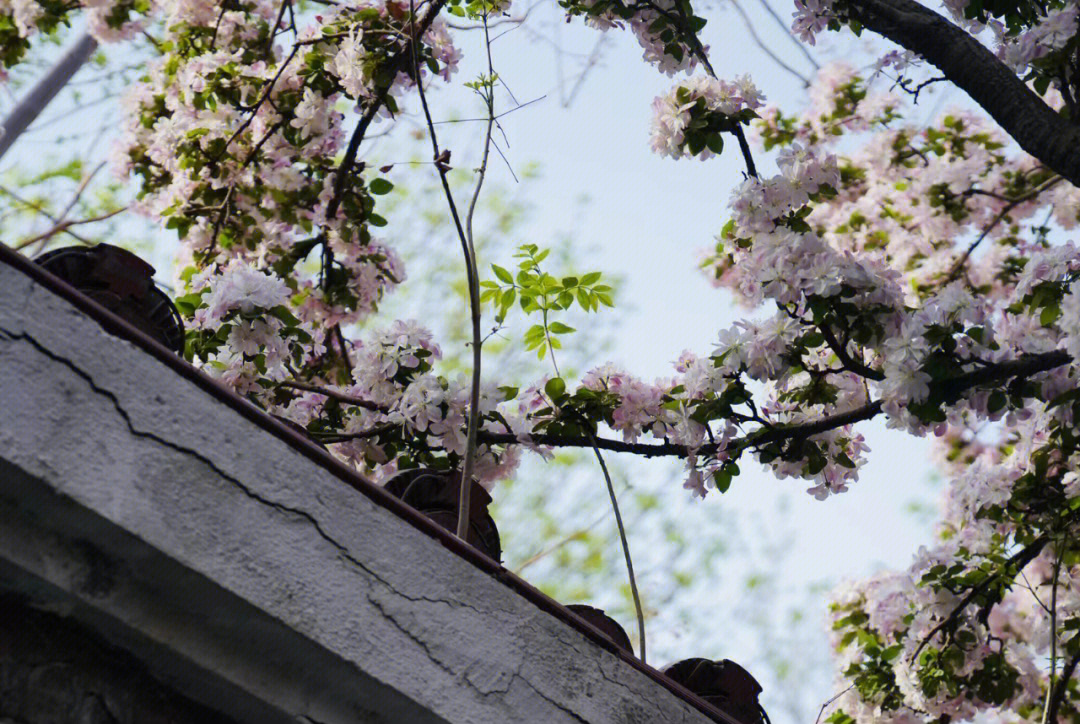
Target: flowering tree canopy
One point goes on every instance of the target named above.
(907, 270)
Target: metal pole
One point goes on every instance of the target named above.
(44, 91)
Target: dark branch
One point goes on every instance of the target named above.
(1018, 560)
(973, 68)
(950, 390)
(1061, 688)
(1013, 203)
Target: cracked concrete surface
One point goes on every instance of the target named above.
(246, 575)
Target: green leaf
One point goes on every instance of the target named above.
(502, 274)
(555, 388)
(715, 142)
(695, 142)
(380, 186)
(282, 313)
(722, 479)
(583, 298)
(996, 402)
(535, 332)
(1049, 315)
(560, 328)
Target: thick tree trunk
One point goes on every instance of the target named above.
(973, 68)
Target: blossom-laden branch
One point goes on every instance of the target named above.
(950, 389)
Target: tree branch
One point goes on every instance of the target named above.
(1019, 559)
(45, 90)
(973, 68)
(1061, 688)
(950, 389)
(333, 394)
(1005, 211)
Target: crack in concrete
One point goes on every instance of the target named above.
(342, 549)
(108, 394)
(554, 702)
(389, 616)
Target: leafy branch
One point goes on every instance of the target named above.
(537, 291)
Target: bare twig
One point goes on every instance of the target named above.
(625, 545)
(787, 29)
(63, 226)
(38, 208)
(335, 395)
(1061, 688)
(590, 63)
(558, 544)
(1050, 689)
(45, 90)
(766, 49)
(1013, 203)
(830, 701)
(474, 297)
(442, 165)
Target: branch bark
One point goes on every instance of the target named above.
(973, 68)
(46, 89)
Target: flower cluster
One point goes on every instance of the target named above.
(813, 16)
(242, 328)
(690, 119)
(1054, 31)
(665, 29)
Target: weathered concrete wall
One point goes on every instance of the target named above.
(245, 575)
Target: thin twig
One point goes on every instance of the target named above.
(766, 49)
(442, 165)
(830, 701)
(38, 208)
(1018, 560)
(1053, 637)
(474, 298)
(1062, 687)
(558, 544)
(334, 394)
(63, 226)
(787, 29)
(590, 63)
(625, 545)
(1013, 203)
